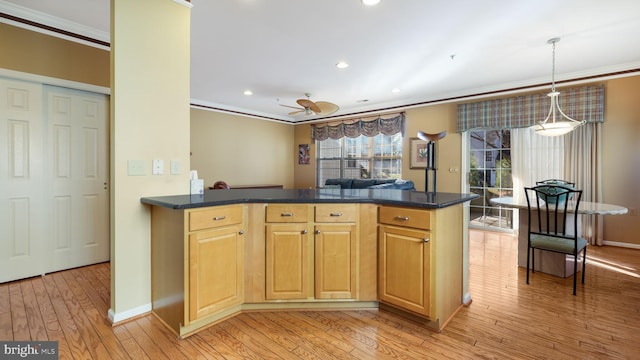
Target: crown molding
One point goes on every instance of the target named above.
(50, 25)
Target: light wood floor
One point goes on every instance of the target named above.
(507, 319)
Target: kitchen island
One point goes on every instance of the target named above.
(227, 251)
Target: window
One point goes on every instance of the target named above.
(490, 177)
(377, 157)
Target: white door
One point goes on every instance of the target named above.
(22, 183)
(54, 197)
(77, 164)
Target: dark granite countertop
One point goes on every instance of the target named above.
(407, 198)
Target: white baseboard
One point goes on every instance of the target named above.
(122, 316)
(621, 244)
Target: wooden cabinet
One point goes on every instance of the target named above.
(215, 270)
(197, 264)
(297, 269)
(420, 261)
(210, 263)
(404, 259)
(287, 252)
(404, 268)
(215, 260)
(335, 255)
(287, 261)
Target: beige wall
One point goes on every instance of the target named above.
(149, 120)
(621, 158)
(31, 52)
(241, 150)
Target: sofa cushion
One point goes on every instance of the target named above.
(403, 185)
(385, 181)
(383, 186)
(344, 183)
(362, 183)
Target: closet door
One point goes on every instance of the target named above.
(77, 164)
(22, 185)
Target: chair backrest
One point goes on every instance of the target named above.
(221, 185)
(549, 205)
(555, 182)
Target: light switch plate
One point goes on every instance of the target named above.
(158, 167)
(175, 167)
(136, 168)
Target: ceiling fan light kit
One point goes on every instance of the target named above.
(550, 126)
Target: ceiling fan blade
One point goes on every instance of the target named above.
(293, 107)
(327, 108)
(296, 112)
(308, 104)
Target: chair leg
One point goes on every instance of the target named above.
(584, 262)
(533, 260)
(528, 252)
(575, 272)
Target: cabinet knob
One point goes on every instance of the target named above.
(335, 214)
(304, 231)
(216, 218)
(286, 214)
(402, 218)
(317, 232)
(241, 232)
(426, 240)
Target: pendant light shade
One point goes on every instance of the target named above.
(557, 122)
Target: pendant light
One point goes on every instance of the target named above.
(557, 122)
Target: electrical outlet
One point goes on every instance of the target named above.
(158, 167)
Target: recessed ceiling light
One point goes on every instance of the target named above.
(248, 92)
(370, 2)
(342, 65)
(395, 90)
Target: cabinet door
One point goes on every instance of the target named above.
(287, 261)
(215, 270)
(404, 268)
(335, 261)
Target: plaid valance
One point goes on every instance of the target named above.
(373, 127)
(585, 103)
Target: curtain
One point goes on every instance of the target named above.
(583, 148)
(535, 158)
(370, 128)
(585, 103)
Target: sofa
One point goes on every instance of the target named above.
(342, 183)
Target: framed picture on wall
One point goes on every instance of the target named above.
(417, 153)
(304, 155)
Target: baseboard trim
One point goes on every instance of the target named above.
(117, 318)
(621, 244)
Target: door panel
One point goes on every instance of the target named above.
(78, 166)
(22, 217)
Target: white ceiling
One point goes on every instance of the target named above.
(430, 49)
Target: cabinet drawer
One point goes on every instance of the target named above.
(289, 213)
(215, 217)
(335, 213)
(415, 218)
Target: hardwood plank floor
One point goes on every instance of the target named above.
(507, 319)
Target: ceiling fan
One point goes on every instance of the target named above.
(311, 108)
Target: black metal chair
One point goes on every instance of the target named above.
(550, 229)
(556, 182)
